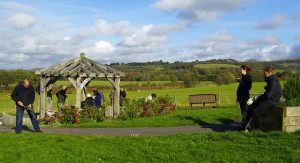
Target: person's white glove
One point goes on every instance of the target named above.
(251, 100)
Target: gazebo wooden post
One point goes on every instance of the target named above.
(42, 97)
(49, 102)
(116, 104)
(78, 92)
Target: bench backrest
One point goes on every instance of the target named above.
(203, 98)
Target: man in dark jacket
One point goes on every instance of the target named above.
(122, 96)
(24, 95)
(265, 102)
(243, 90)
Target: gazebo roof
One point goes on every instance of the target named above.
(80, 66)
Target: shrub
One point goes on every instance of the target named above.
(141, 108)
(134, 108)
(95, 114)
(69, 115)
(291, 90)
(123, 115)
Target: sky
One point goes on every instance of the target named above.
(40, 33)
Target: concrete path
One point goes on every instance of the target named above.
(134, 131)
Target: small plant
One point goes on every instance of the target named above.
(291, 90)
(47, 120)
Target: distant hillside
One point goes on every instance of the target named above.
(288, 64)
(291, 64)
(216, 70)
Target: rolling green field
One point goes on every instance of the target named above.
(197, 147)
(214, 66)
(106, 83)
(227, 95)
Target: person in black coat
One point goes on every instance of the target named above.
(122, 96)
(265, 102)
(24, 95)
(243, 90)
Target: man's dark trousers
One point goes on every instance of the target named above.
(257, 110)
(19, 119)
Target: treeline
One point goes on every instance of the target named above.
(10, 77)
(190, 74)
(181, 74)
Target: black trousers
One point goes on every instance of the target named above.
(244, 108)
(256, 110)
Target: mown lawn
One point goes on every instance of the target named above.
(198, 147)
(181, 117)
(227, 95)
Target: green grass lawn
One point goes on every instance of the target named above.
(178, 118)
(198, 147)
(227, 95)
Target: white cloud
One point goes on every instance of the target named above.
(274, 22)
(217, 39)
(199, 10)
(7, 5)
(226, 45)
(100, 47)
(15, 57)
(258, 42)
(148, 40)
(143, 38)
(21, 20)
(110, 29)
(67, 38)
(46, 43)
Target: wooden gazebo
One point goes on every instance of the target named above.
(79, 71)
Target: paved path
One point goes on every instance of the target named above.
(134, 131)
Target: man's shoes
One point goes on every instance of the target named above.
(39, 131)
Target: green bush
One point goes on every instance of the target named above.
(69, 115)
(141, 108)
(133, 108)
(95, 114)
(291, 90)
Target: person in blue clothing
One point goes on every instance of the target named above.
(97, 99)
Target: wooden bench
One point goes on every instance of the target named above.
(204, 99)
